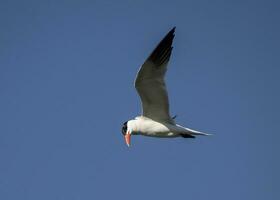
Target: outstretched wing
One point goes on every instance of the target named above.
(150, 83)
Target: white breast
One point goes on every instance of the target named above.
(148, 127)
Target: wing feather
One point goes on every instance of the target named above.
(150, 83)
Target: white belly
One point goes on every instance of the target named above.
(148, 127)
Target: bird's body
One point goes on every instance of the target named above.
(148, 127)
(144, 126)
(155, 120)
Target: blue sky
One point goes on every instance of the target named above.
(66, 86)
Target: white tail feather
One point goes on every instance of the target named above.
(194, 132)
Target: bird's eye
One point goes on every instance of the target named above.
(124, 128)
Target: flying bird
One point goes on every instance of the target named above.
(155, 120)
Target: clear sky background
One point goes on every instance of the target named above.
(66, 86)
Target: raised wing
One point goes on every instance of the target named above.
(150, 83)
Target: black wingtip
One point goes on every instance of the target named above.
(172, 31)
(162, 52)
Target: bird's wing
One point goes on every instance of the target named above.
(150, 83)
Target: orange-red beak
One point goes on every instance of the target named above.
(127, 138)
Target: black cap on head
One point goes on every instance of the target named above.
(124, 128)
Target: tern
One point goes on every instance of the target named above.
(155, 120)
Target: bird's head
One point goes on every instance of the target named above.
(126, 131)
